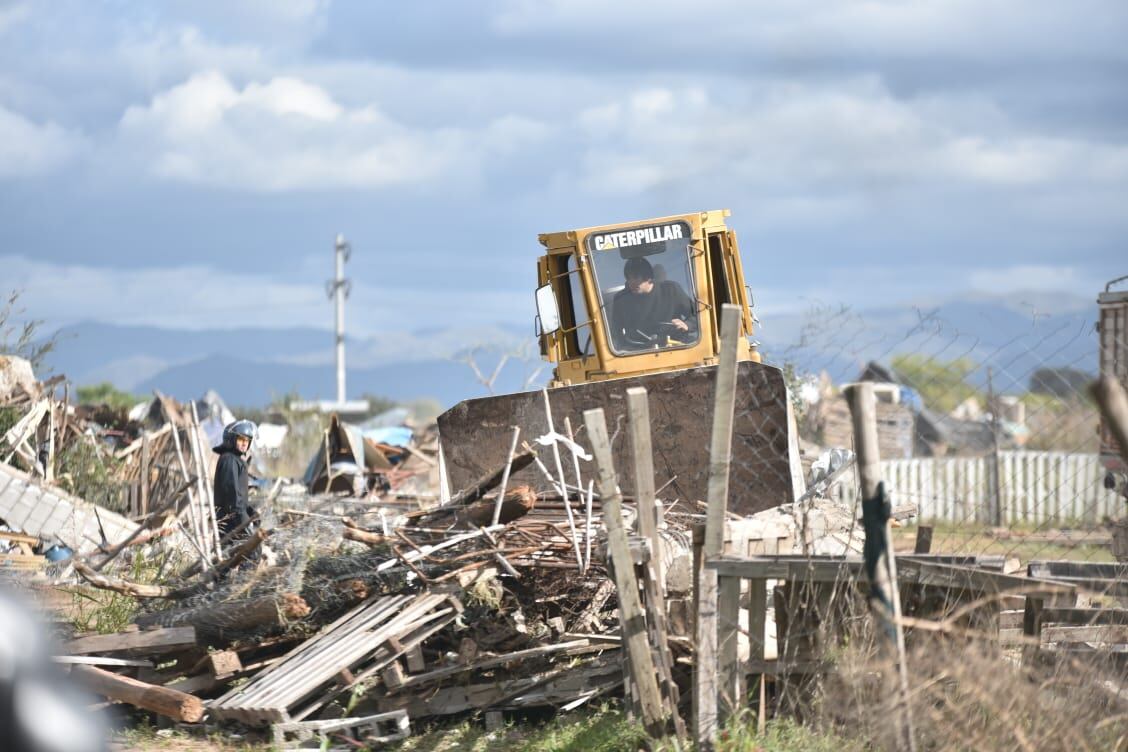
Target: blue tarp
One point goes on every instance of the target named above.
(394, 435)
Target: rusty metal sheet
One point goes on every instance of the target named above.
(475, 434)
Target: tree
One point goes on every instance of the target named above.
(106, 393)
(524, 353)
(1063, 383)
(21, 338)
(942, 385)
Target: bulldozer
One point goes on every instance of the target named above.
(638, 304)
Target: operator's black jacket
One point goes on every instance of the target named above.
(632, 313)
(231, 483)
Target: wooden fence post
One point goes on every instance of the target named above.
(706, 721)
(145, 473)
(1113, 402)
(863, 411)
(631, 616)
(638, 409)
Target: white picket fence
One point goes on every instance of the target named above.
(1036, 487)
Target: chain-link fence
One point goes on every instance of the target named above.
(985, 424)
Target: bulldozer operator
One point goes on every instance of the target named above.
(648, 314)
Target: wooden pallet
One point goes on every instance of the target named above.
(355, 647)
(22, 562)
(382, 728)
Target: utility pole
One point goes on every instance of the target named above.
(338, 289)
(995, 504)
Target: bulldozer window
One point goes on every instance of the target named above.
(646, 288)
(720, 286)
(575, 323)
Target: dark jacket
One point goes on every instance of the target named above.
(632, 313)
(231, 483)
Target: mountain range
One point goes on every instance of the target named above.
(1014, 334)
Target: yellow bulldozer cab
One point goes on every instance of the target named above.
(639, 297)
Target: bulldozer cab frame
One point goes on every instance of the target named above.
(594, 328)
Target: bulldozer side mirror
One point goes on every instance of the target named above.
(547, 311)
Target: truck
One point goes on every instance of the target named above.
(638, 304)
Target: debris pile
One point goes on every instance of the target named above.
(412, 616)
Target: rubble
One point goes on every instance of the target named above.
(359, 594)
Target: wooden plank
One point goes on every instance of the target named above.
(572, 647)
(146, 476)
(7, 535)
(656, 620)
(757, 618)
(729, 673)
(1108, 634)
(1078, 569)
(706, 719)
(22, 562)
(101, 660)
(631, 616)
(1085, 616)
(224, 663)
(153, 640)
(318, 661)
(923, 542)
(638, 410)
(720, 448)
(414, 658)
(346, 644)
(1113, 401)
(381, 659)
(556, 687)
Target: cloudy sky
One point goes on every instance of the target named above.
(187, 164)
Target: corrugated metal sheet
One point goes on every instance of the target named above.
(54, 515)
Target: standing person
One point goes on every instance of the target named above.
(231, 479)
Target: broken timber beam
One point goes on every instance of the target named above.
(478, 488)
(632, 617)
(220, 619)
(170, 703)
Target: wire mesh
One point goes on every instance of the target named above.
(986, 427)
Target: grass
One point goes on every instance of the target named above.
(145, 737)
(607, 729)
(973, 539)
(603, 730)
(781, 735)
(106, 612)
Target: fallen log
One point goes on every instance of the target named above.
(344, 594)
(170, 703)
(478, 488)
(517, 503)
(125, 587)
(219, 620)
(138, 590)
(363, 536)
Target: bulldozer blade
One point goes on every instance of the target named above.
(475, 434)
